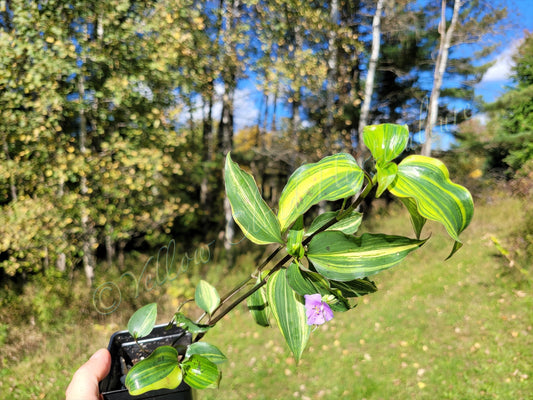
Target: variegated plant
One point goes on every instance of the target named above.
(326, 265)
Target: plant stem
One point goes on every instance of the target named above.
(223, 312)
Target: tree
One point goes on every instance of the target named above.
(469, 22)
(86, 126)
(512, 114)
(369, 81)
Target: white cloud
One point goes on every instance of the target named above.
(501, 70)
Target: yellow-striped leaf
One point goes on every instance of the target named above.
(349, 224)
(437, 198)
(204, 349)
(200, 373)
(334, 177)
(206, 297)
(385, 141)
(258, 305)
(159, 371)
(294, 239)
(417, 220)
(344, 258)
(289, 312)
(255, 218)
(307, 282)
(386, 175)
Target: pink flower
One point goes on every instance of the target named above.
(317, 311)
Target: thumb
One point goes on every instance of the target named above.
(84, 384)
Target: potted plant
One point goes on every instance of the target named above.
(126, 351)
(317, 269)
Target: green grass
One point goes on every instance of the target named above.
(456, 329)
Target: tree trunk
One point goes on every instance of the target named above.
(369, 82)
(86, 228)
(440, 68)
(226, 121)
(331, 89)
(208, 151)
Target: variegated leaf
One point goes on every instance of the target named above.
(200, 373)
(385, 141)
(256, 220)
(426, 180)
(334, 177)
(288, 309)
(159, 371)
(344, 258)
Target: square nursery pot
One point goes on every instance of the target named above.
(125, 353)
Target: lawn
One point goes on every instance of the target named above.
(456, 329)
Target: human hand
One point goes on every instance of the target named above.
(84, 383)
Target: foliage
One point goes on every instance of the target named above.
(89, 152)
(513, 113)
(327, 267)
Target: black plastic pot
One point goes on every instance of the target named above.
(125, 353)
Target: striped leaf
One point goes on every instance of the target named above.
(289, 312)
(386, 175)
(206, 297)
(256, 220)
(344, 258)
(200, 373)
(307, 282)
(212, 353)
(142, 321)
(159, 371)
(355, 288)
(426, 180)
(385, 141)
(258, 305)
(417, 220)
(294, 239)
(334, 177)
(349, 224)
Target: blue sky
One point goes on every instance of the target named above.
(497, 77)
(248, 100)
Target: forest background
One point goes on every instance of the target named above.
(115, 117)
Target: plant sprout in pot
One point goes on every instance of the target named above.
(315, 271)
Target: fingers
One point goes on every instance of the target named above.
(84, 384)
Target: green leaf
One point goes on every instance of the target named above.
(294, 239)
(289, 312)
(183, 322)
(386, 176)
(200, 373)
(251, 213)
(206, 297)
(385, 141)
(344, 258)
(334, 177)
(143, 321)
(159, 371)
(307, 282)
(355, 288)
(348, 224)
(258, 305)
(426, 180)
(212, 353)
(417, 220)
(297, 282)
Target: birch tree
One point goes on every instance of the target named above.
(446, 33)
(369, 81)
